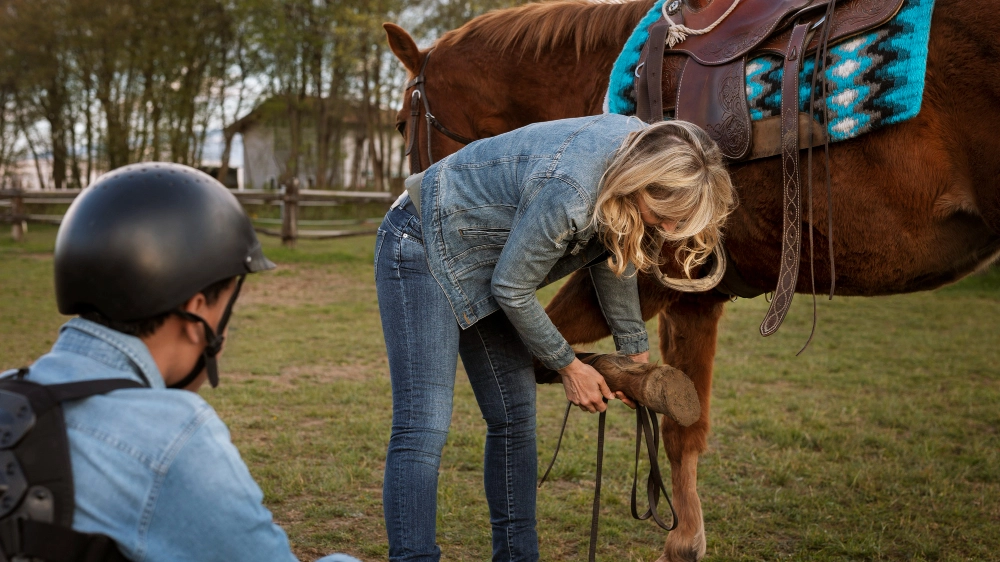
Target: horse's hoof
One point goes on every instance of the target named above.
(690, 557)
(660, 388)
(678, 393)
(684, 549)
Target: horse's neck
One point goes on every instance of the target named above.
(567, 76)
(580, 80)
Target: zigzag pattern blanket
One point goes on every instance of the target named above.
(873, 79)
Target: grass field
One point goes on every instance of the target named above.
(882, 442)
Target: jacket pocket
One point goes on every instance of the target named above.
(484, 232)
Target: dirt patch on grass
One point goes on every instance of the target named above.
(299, 285)
(291, 377)
(34, 256)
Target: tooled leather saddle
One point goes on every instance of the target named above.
(701, 79)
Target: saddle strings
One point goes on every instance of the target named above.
(819, 68)
(678, 32)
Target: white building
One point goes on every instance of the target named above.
(352, 150)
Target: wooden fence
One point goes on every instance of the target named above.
(290, 200)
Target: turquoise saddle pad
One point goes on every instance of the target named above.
(873, 79)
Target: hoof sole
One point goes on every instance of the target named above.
(661, 388)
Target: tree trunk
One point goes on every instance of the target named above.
(375, 123)
(55, 115)
(31, 148)
(358, 158)
(88, 124)
(338, 156)
(320, 115)
(290, 213)
(224, 163)
(116, 132)
(74, 157)
(18, 227)
(290, 178)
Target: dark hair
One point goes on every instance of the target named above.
(146, 326)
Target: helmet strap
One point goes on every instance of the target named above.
(213, 342)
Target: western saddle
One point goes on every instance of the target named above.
(701, 79)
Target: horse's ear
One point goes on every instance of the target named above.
(403, 46)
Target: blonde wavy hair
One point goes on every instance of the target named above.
(677, 170)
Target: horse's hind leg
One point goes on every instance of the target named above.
(688, 332)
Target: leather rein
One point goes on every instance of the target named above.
(646, 426)
(419, 96)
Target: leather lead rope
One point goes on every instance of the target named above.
(558, 445)
(791, 242)
(646, 426)
(595, 518)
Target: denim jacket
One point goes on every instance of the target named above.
(154, 468)
(509, 214)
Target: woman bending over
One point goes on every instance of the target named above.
(458, 259)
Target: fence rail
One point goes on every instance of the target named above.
(289, 200)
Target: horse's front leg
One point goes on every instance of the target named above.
(577, 314)
(688, 331)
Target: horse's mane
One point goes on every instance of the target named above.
(541, 26)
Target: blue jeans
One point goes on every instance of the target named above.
(424, 340)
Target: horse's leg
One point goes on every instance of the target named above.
(577, 314)
(688, 332)
(688, 329)
(575, 310)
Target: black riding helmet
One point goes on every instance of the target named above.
(145, 238)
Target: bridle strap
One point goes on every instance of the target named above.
(411, 145)
(419, 95)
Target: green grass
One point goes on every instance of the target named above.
(881, 442)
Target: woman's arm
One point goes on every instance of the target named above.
(536, 242)
(619, 301)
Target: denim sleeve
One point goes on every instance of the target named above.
(619, 300)
(209, 507)
(537, 241)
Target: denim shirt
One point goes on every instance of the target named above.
(509, 214)
(154, 468)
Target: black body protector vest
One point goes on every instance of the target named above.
(36, 477)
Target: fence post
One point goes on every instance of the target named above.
(290, 213)
(18, 227)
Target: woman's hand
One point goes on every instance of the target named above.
(585, 387)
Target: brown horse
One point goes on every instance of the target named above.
(916, 205)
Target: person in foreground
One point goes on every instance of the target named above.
(152, 257)
(458, 259)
